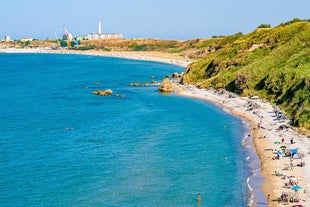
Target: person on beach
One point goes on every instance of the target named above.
(291, 165)
(277, 157)
(282, 140)
(292, 140)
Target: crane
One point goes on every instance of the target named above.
(67, 36)
(56, 37)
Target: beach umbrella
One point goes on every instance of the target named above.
(277, 142)
(279, 153)
(283, 147)
(296, 187)
(293, 151)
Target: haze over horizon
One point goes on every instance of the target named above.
(145, 19)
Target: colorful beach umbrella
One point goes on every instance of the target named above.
(283, 147)
(293, 151)
(296, 187)
(279, 153)
(277, 142)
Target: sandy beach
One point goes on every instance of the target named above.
(143, 55)
(268, 132)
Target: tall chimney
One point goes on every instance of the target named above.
(99, 27)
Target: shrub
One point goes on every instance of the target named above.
(138, 47)
(264, 26)
(86, 47)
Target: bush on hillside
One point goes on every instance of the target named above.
(264, 26)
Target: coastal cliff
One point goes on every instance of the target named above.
(272, 63)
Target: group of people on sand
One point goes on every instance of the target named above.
(291, 182)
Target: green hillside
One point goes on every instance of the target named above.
(273, 63)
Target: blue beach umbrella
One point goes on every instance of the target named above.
(293, 151)
(279, 153)
(296, 187)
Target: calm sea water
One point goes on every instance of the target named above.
(147, 149)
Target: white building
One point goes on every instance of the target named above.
(25, 39)
(7, 38)
(99, 35)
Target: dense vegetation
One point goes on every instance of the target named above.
(273, 63)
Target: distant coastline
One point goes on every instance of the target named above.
(272, 185)
(146, 56)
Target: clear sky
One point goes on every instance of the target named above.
(164, 19)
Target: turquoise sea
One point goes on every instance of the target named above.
(62, 146)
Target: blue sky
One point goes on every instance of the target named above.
(164, 19)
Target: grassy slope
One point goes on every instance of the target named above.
(193, 49)
(272, 63)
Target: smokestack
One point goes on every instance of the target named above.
(99, 27)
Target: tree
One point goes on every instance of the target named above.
(63, 43)
(72, 43)
(27, 43)
(264, 26)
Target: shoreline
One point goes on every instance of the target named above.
(272, 184)
(264, 139)
(133, 55)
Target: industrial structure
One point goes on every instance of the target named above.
(99, 35)
(67, 35)
(7, 38)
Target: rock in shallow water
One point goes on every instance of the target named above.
(102, 92)
(166, 86)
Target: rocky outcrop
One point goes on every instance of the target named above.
(135, 84)
(144, 84)
(176, 75)
(103, 92)
(166, 86)
(119, 95)
(153, 82)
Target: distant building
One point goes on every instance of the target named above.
(25, 39)
(99, 35)
(84, 37)
(67, 37)
(7, 38)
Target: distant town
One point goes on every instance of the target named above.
(69, 40)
